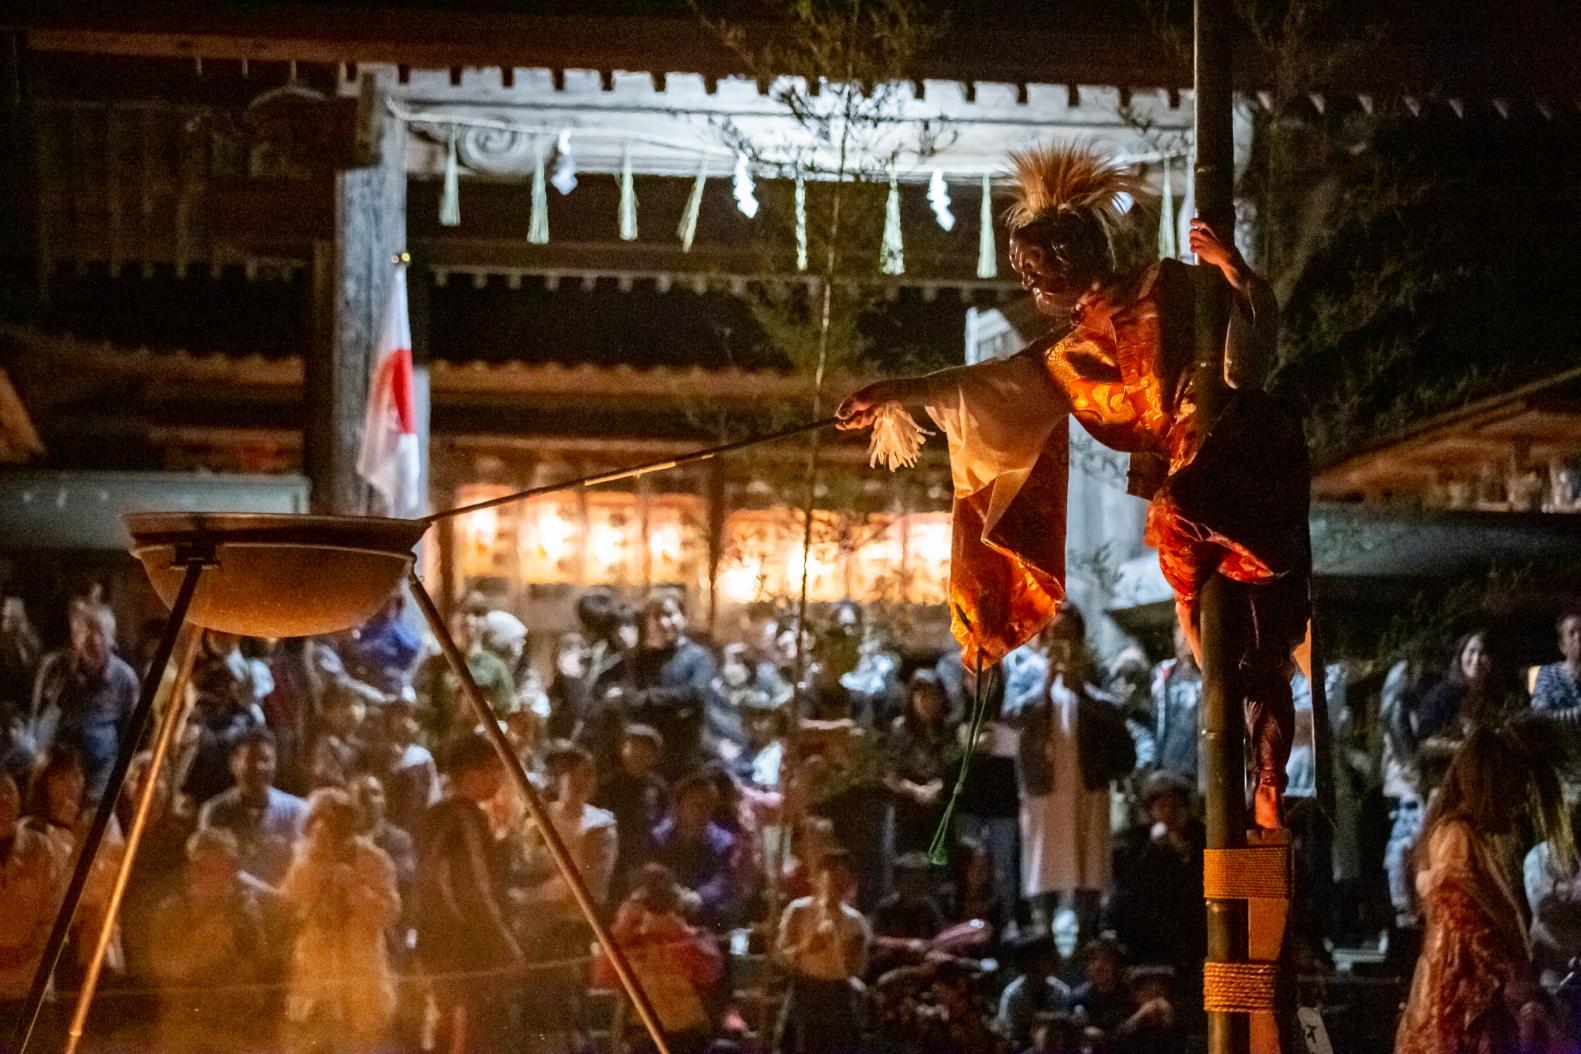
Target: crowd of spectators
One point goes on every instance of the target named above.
(336, 861)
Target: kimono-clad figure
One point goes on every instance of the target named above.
(1230, 498)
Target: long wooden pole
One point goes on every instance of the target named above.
(1223, 726)
(131, 735)
(633, 470)
(540, 814)
(174, 718)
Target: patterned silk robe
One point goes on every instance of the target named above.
(1234, 501)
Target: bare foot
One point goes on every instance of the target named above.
(1265, 807)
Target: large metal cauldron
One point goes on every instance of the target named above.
(277, 575)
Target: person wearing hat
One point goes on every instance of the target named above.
(1033, 992)
(439, 699)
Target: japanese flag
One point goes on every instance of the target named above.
(389, 458)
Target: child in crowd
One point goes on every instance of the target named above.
(823, 942)
(679, 965)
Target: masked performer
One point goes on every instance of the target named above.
(1228, 496)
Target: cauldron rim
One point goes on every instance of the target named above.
(378, 534)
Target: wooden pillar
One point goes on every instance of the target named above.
(351, 282)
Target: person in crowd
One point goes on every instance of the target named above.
(265, 820)
(1557, 692)
(464, 937)
(84, 695)
(988, 810)
(823, 944)
(935, 1006)
(159, 868)
(906, 921)
(1155, 908)
(744, 814)
(32, 876)
(18, 750)
(338, 745)
(1472, 696)
(1177, 697)
(403, 765)
(20, 654)
(1102, 1000)
(1155, 1025)
(444, 711)
(307, 671)
(610, 627)
(763, 723)
(873, 684)
(58, 806)
(587, 830)
(701, 854)
(226, 712)
(216, 953)
(974, 893)
(1475, 989)
(919, 753)
(341, 895)
(1033, 992)
(551, 924)
(735, 696)
(1058, 1033)
(383, 651)
(1073, 744)
(667, 682)
(568, 687)
(813, 838)
(635, 794)
(374, 824)
(1399, 703)
(1553, 892)
(678, 964)
(506, 636)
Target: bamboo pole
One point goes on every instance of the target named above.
(634, 470)
(22, 1033)
(175, 716)
(540, 814)
(1223, 726)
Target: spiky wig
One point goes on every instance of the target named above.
(1081, 205)
(1065, 178)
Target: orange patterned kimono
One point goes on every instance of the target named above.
(1234, 502)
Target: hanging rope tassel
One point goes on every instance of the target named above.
(1166, 218)
(694, 205)
(892, 260)
(628, 202)
(564, 178)
(939, 198)
(896, 440)
(745, 190)
(987, 252)
(450, 195)
(538, 228)
(801, 221)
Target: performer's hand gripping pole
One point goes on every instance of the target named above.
(540, 815)
(194, 560)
